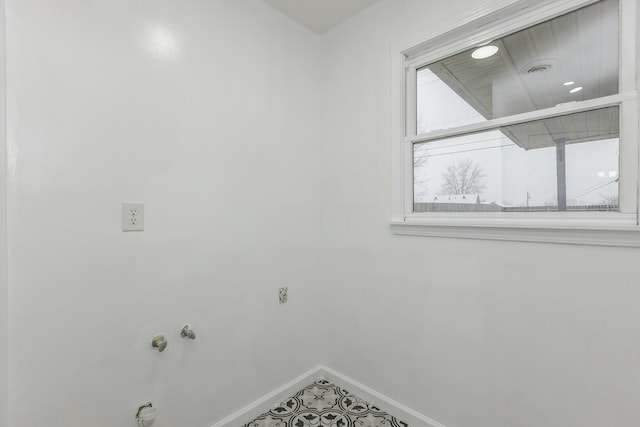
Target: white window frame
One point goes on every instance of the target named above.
(492, 21)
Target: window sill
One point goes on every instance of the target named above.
(610, 233)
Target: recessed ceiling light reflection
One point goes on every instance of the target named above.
(485, 51)
(576, 89)
(162, 42)
(569, 83)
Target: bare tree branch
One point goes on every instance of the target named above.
(464, 177)
(420, 159)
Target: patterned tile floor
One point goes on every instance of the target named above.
(323, 404)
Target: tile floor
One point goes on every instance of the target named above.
(323, 404)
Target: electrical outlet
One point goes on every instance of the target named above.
(133, 217)
(283, 295)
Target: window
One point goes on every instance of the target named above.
(526, 118)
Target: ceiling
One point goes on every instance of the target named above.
(320, 15)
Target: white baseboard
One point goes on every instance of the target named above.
(272, 399)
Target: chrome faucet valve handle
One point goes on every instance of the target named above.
(187, 332)
(159, 342)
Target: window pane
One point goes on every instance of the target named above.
(562, 163)
(573, 57)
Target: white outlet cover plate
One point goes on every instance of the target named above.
(132, 216)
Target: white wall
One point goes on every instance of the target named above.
(4, 288)
(196, 110)
(470, 333)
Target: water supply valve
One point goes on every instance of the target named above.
(146, 414)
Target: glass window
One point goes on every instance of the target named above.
(521, 124)
(573, 57)
(565, 163)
